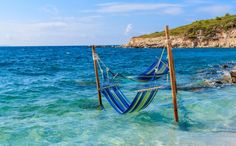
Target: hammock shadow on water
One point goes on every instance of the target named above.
(190, 125)
(186, 123)
(90, 104)
(156, 118)
(148, 117)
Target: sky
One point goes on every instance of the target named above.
(98, 22)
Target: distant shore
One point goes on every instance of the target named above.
(219, 32)
(222, 40)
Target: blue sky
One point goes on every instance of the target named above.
(86, 22)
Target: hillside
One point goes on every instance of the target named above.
(217, 32)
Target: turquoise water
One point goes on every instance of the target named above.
(48, 97)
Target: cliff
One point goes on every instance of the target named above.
(213, 33)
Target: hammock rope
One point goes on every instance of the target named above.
(143, 98)
(157, 69)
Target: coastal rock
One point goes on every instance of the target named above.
(224, 39)
(233, 76)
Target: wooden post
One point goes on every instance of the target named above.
(97, 77)
(172, 74)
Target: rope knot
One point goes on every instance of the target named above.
(156, 69)
(95, 56)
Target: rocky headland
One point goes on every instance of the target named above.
(219, 32)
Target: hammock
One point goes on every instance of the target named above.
(154, 72)
(121, 103)
(143, 98)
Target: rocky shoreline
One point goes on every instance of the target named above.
(223, 39)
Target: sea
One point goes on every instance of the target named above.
(48, 96)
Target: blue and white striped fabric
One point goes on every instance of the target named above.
(151, 73)
(121, 103)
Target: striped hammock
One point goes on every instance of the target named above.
(155, 71)
(121, 103)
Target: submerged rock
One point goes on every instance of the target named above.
(226, 79)
(233, 76)
(217, 75)
(225, 66)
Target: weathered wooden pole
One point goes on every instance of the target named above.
(95, 57)
(172, 74)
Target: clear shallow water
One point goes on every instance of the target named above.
(48, 96)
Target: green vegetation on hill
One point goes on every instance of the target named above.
(207, 28)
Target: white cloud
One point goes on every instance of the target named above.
(49, 24)
(134, 7)
(63, 31)
(173, 11)
(128, 29)
(215, 9)
(199, 1)
(50, 9)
